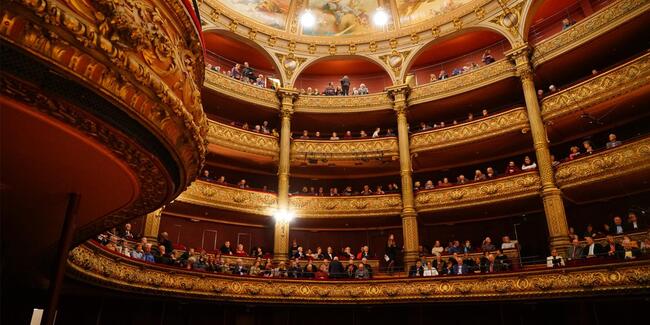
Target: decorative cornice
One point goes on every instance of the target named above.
(239, 90)
(342, 104)
(479, 193)
(229, 198)
(479, 130)
(603, 87)
(605, 20)
(227, 136)
(345, 149)
(346, 206)
(474, 79)
(97, 267)
(627, 159)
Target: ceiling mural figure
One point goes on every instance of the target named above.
(272, 13)
(415, 11)
(343, 17)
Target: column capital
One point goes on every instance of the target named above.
(287, 94)
(520, 56)
(398, 95)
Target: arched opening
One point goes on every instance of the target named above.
(224, 50)
(545, 18)
(456, 55)
(359, 70)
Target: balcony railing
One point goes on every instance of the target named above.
(229, 198)
(477, 130)
(605, 86)
(345, 149)
(346, 206)
(240, 90)
(232, 137)
(588, 29)
(342, 104)
(479, 193)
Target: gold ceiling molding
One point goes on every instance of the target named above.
(628, 159)
(95, 266)
(346, 206)
(235, 138)
(243, 91)
(467, 16)
(601, 22)
(150, 61)
(485, 128)
(506, 188)
(229, 198)
(344, 149)
(342, 104)
(467, 81)
(600, 88)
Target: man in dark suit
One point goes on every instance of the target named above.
(592, 249)
(633, 223)
(459, 268)
(575, 250)
(617, 227)
(613, 249)
(336, 268)
(239, 268)
(490, 265)
(345, 85)
(417, 270)
(163, 239)
(329, 255)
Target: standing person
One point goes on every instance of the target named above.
(345, 85)
(391, 253)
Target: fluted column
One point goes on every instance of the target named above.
(551, 195)
(281, 234)
(152, 225)
(398, 95)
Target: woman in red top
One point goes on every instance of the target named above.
(322, 273)
(240, 251)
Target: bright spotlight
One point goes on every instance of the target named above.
(307, 19)
(284, 215)
(380, 18)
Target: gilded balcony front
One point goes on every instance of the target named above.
(229, 198)
(502, 189)
(474, 79)
(606, 86)
(93, 264)
(342, 104)
(235, 138)
(239, 90)
(346, 206)
(605, 20)
(344, 149)
(478, 130)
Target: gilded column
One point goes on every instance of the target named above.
(551, 195)
(152, 225)
(398, 95)
(281, 234)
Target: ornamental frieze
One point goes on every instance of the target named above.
(240, 90)
(342, 104)
(229, 198)
(478, 130)
(603, 21)
(479, 193)
(93, 265)
(346, 206)
(464, 82)
(603, 87)
(627, 159)
(227, 136)
(345, 149)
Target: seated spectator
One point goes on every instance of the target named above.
(258, 253)
(445, 183)
(612, 248)
(416, 186)
(322, 274)
(138, 252)
(429, 270)
(299, 254)
(334, 191)
(588, 147)
(239, 268)
(462, 180)
(221, 180)
(645, 246)
(554, 161)
(432, 77)
(459, 268)
(363, 90)
(225, 248)
(470, 117)
(629, 251)
(574, 152)
(390, 133)
(259, 82)
(512, 168)
(362, 272)
(329, 90)
(575, 250)
(478, 176)
(379, 191)
(235, 72)
(617, 227)
(163, 257)
(490, 173)
(255, 270)
(507, 243)
(334, 136)
(555, 260)
(455, 248)
(437, 248)
(366, 190)
(148, 254)
(467, 248)
(592, 249)
(240, 251)
(348, 135)
(247, 73)
(417, 270)
(424, 126)
(590, 232)
(566, 23)
(305, 135)
(443, 75)
(540, 94)
(348, 191)
(242, 184)
(633, 223)
(487, 57)
(502, 259)
(490, 265)
(126, 231)
(428, 185)
(376, 133)
(487, 245)
(528, 164)
(363, 134)
(612, 143)
(552, 89)
(206, 175)
(484, 113)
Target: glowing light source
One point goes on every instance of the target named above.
(307, 19)
(284, 215)
(380, 18)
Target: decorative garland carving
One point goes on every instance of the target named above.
(245, 141)
(240, 90)
(479, 193)
(603, 87)
(229, 198)
(342, 104)
(344, 149)
(492, 126)
(92, 265)
(627, 159)
(346, 206)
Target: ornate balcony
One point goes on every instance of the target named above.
(240, 90)
(478, 78)
(346, 206)
(344, 149)
(481, 129)
(235, 138)
(94, 265)
(229, 198)
(631, 159)
(342, 104)
(588, 29)
(506, 188)
(606, 86)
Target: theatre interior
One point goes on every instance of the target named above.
(325, 161)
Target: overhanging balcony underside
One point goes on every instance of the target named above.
(624, 169)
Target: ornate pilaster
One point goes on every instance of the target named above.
(281, 235)
(152, 225)
(398, 95)
(552, 197)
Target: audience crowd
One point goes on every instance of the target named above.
(243, 73)
(340, 89)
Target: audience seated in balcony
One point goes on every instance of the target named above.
(555, 260)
